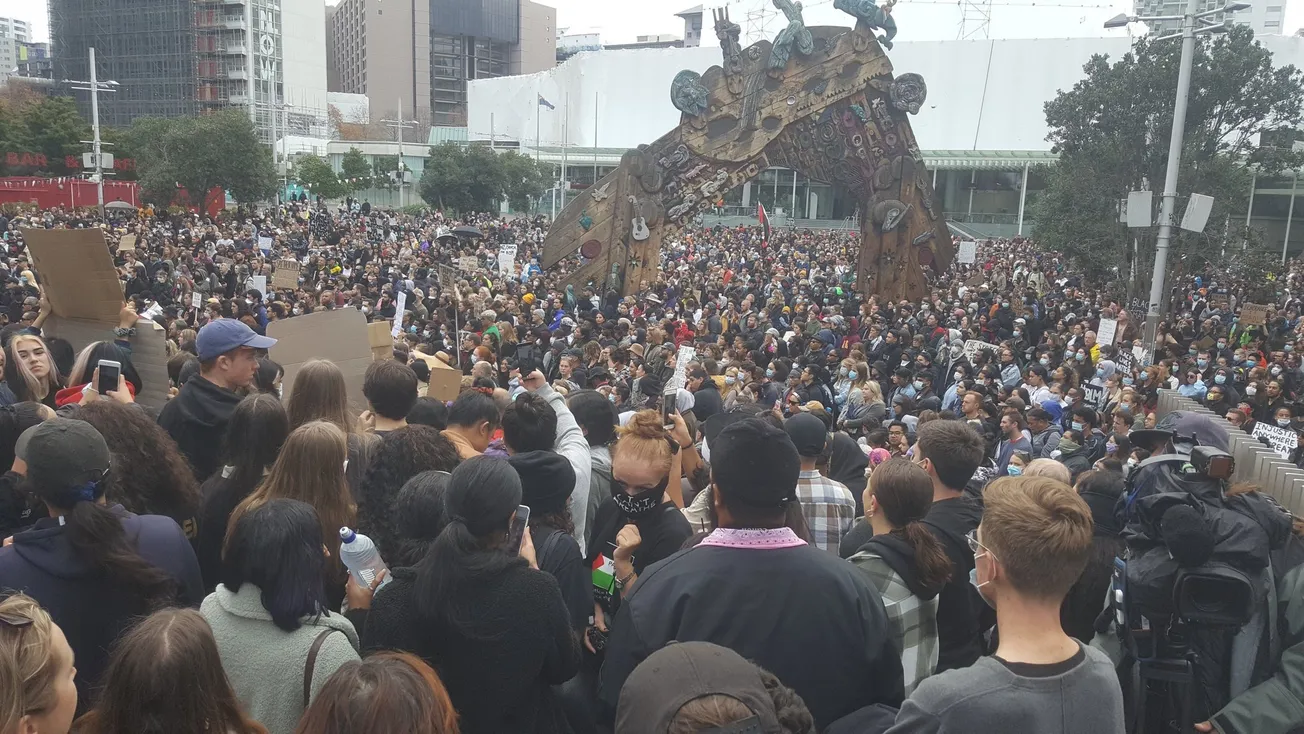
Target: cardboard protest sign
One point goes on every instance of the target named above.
(1252, 314)
(977, 279)
(973, 346)
(380, 339)
(339, 336)
(445, 381)
(127, 243)
(468, 263)
(85, 294)
(1282, 440)
(968, 253)
(1093, 395)
(447, 276)
(196, 299)
(1107, 332)
(286, 274)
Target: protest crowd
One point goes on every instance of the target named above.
(746, 499)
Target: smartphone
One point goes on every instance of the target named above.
(110, 371)
(668, 401)
(517, 533)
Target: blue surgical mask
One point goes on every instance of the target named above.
(1202, 362)
(1077, 426)
(730, 380)
(1068, 354)
(1100, 372)
(1222, 345)
(851, 375)
(1013, 470)
(1081, 356)
(1249, 364)
(973, 580)
(1220, 379)
(769, 373)
(612, 397)
(919, 385)
(1128, 381)
(1045, 361)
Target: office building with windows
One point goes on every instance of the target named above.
(1264, 17)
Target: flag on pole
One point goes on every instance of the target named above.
(765, 225)
(545, 103)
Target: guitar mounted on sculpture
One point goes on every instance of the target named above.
(638, 224)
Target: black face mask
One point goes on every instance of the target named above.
(640, 503)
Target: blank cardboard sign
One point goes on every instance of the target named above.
(77, 273)
(148, 353)
(338, 336)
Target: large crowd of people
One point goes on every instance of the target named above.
(758, 500)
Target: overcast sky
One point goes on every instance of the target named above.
(919, 20)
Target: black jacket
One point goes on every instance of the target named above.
(559, 555)
(962, 615)
(809, 618)
(92, 609)
(196, 419)
(706, 401)
(499, 677)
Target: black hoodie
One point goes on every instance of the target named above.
(962, 615)
(196, 419)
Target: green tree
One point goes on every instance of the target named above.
(1112, 131)
(318, 177)
(55, 128)
(199, 154)
(355, 172)
(381, 168)
(525, 179)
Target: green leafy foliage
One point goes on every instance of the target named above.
(475, 178)
(318, 177)
(201, 153)
(355, 172)
(1112, 131)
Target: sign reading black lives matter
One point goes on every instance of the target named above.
(1093, 395)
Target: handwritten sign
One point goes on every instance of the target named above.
(127, 243)
(398, 314)
(265, 244)
(468, 263)
(196, 299)
(1252, 314)
(1282, 440)
(286, 274)
(973, 346)
(1107, 332)
(968, 252)
(685, 355)
(1093, 395)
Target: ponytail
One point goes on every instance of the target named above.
(97, 538)
(930, 557)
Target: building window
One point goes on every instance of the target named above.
(1274, 8)
(1271, 24)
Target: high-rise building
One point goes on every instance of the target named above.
(1264, 17)
(692, 26)
(183, 57)
(13, 34)
(424, 51)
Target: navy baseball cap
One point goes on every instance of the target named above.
(224, 335)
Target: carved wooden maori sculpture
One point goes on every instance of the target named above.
(834, 111)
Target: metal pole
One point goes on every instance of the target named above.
(1023, 196)
(973, 184)
(491, 132)
(538, 115)
(1290, 214)
(285, 146)
(565, 143)
(1169, 202)
(1249, 209)
(793, 215)
(276, 150)
(400, 152)
(95, 134)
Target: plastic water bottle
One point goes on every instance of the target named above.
(360, 556)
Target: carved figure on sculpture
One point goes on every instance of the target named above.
(795, 35)
(873, 16)
(688, 94)
(908, 93)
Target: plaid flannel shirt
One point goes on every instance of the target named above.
(913, 621)
(829, 508)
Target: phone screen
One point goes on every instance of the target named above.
(517, 534)
(668, 409)
(109, 373)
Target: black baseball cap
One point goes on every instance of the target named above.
(684, 671)
(754, 463)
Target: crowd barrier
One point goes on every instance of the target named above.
(1255, 462)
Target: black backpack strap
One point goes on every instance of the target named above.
(312, 663)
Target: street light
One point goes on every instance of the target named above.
(95, 86)
(1169, 202)
(401, 125)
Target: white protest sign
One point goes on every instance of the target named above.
(196, 299)
(257, 283)
(468, 263)
(973, 346)
(506, 264)
(968, 254)
(1282, 440)
(686, 354)
(265, 244)
(1107, 332)
(398, 314)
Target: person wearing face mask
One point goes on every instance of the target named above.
(1034, 541)
(1072, 454)
(1035, 383)
(1012, 440)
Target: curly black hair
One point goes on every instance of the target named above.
(397, 457)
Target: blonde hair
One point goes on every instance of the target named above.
(644, 439)
(310, 468)
(873, 393)
(35, 388)
(1040, 531)
(28, 665)
(1048, 468)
